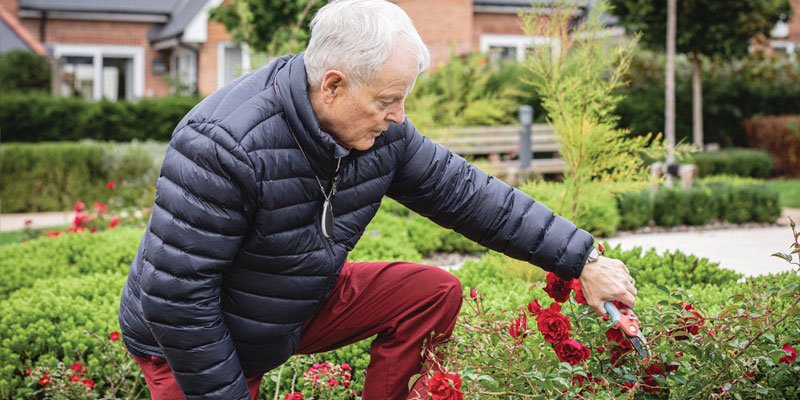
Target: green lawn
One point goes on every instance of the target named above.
(789, 190)
(12, 237)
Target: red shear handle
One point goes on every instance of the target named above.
(628, 323)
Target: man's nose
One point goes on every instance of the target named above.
(397, 113)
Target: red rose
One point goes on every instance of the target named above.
(79, 206)
(114, 336)
(44, 380)
(654, 369)
(293, 396)
(689, 324)
(518, 328)
(444, 386)
(28, 371)
(111, 185)
(534, 307)
(77, 367)
(473, 293)
(75, 378)
(791, 354)
(572, 351)
(557, 288)
(100, 207)
(88, 382)
(628, 385)
(576, 286)
(553, 325)
(672, 367)
(346, 367)
(616, 354)
(650, 385)
(81, 218)
(601, 349)
(113, 223)
(614, 335)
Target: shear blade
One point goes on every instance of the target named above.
(638, 346)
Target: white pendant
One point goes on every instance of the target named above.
(327, 219)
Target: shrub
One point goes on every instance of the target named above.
(596, 213)
(22, 70)
(39, 117)
(21, 265)
(672, 269)
(731, 199)
(780, 135)
(669, 207)
(48, 323)
(740, 162)
(52, 176)
(635, 209)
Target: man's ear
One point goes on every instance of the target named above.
(333, 85)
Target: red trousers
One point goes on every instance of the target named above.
(402, 303)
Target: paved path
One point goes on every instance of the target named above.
(742, 250)
(14, 222)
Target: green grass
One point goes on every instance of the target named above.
(12, 237)
(789, 190)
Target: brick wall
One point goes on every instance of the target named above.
(208, 58)
(444, 25)
(11, 6)
(104, 33)
(794, 22)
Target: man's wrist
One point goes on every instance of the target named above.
(594, 256)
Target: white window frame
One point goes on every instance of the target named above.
(97, 52)
(520, 42)
(787, 45)
(221, 61)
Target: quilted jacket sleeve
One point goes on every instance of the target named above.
(442, 186)
(201, 215)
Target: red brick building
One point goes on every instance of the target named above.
(126, 49)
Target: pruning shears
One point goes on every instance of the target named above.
(626, 321)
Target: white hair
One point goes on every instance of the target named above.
(357, 37)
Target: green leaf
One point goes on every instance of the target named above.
(783, 256)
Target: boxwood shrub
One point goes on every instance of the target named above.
(21, 265)
(52, 176)
(753, 163)
(48, 322)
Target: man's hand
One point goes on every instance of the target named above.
(605, 280)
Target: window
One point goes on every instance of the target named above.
(184, 70)
(501, 47)
(96, 72)
(232, 62)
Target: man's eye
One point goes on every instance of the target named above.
(386, 103)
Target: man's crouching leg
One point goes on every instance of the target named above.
(403, 304)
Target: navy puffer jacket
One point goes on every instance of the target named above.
(233, 261)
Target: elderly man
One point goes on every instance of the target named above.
(268, 184)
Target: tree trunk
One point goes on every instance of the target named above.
(697, 101)
(669, 84)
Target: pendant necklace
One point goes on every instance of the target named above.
(326, 220)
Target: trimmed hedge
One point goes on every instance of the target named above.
(47, 323)
(725, 198)
(21, 265)
(32, 117)
(52, 176)
(752, 163)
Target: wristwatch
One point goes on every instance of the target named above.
(594, 255)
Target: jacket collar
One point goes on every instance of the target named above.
(291, 86)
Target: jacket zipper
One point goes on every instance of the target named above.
(327, 243)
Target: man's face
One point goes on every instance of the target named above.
(358, 115)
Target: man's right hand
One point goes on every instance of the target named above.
(607, 279)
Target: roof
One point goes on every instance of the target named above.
(14, 36)
(181, 16)
(100, 6)
(584, 5)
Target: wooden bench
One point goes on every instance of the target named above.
(500, 145)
